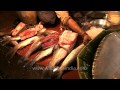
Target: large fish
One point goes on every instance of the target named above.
(47, 43)
(41, 43)
(39, 57)
(58, 71)
(65, 46)
(32, 31)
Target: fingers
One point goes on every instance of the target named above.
(86, 39)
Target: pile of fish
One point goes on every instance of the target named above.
(61, 45)
(48, 41)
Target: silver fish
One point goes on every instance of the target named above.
(58, 55)
(39, 57)
(58, 71)
(63, 48)
(37, 43)
(61, 52)
(7, 39)
(22, 44)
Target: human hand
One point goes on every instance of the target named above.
(86, 38)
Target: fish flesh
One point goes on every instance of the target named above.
(65, 46)
(58, 71)
(49, 40)
(46, 42)
(31, 32)
(18, 28)
(24, 35)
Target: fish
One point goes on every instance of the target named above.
(50, 40)
(46, 42)
(39, 57)
(32, 32)
(65, 46)
(18, 28)
(24, 35)
(58, 71)
(38, 30)
(37, 43)
(7, 39)
(22, 44)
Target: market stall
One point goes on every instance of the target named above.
(27, 47)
